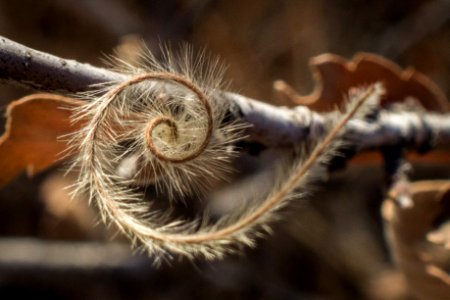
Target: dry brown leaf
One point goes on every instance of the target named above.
(335, 77)
(30, 141)
(409, 229)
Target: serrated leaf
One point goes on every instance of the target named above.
(335, 76)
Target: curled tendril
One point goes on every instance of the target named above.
(174, 136)
(167, 120)
(129, 123)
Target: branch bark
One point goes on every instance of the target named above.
(272, 126)
(45, 72)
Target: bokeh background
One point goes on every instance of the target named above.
(330, 246)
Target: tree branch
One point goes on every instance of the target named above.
(41, 71)
(271, 125)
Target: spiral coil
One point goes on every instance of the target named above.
(164, 128)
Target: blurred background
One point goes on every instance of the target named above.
(330, 246)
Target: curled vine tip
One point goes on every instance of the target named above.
(162, 126)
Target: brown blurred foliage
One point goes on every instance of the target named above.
(332, 245)
(419, 237)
